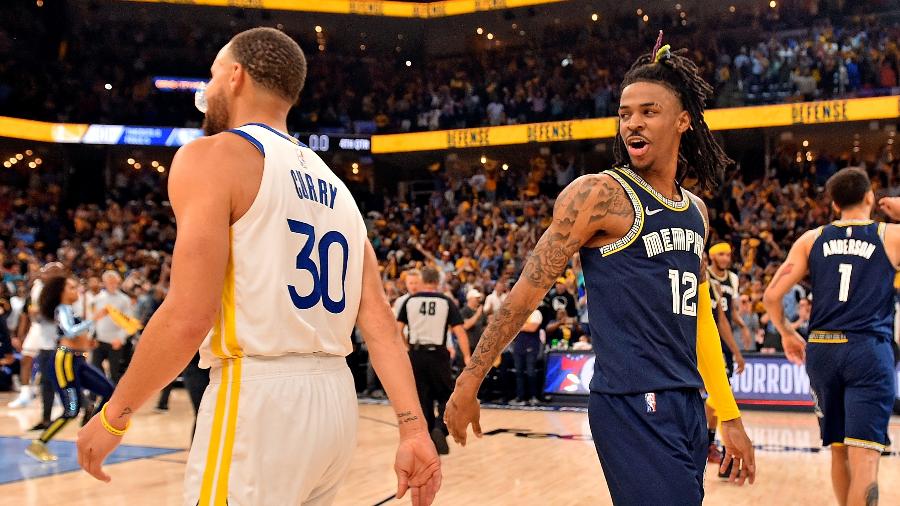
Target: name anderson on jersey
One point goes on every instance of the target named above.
(848, 247)
(673, 239)
(323, 193)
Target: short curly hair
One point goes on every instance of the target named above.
(273, 59)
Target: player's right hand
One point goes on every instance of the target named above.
(418, 468)
(738, 451)
(462, 410)
(794, 347)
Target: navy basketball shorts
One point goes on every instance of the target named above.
(652, 447)
(853, 387)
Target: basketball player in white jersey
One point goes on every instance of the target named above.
(272, 255)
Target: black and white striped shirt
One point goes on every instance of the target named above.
(428, 316)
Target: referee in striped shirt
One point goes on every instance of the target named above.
(428, 314)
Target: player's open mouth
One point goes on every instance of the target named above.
(637, 146)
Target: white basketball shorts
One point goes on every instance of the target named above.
(273, 431)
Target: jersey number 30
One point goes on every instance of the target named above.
(681, 302)
(319, 278)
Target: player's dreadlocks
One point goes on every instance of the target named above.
(699, 154)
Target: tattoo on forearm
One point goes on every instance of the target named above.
(406, 417)
(549, 258)
(126, 412)
(506, 324)
(872, 495)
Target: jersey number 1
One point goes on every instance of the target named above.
(320, 279)
(844, 292)
(681, 302)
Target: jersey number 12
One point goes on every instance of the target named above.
(681, 302)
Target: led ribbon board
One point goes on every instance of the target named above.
(387, 8)
(763, 116)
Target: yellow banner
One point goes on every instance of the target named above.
(389, 8)
(805, 113)
(27, 129)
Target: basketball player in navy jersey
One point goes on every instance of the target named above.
(851, 263)
(641, 241)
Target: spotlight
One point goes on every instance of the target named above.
(154, 164)
(130, 161)
(318, 29)
(28, 152)
(137, 166)
(483, 159)
(505, 166)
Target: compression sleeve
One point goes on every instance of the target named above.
(66, 321)
(710, 362)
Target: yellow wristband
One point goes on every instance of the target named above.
(109, 428)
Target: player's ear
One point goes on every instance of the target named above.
(837, 210)
(683, 122)
(870, 198)
(238, 76)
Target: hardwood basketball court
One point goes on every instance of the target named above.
(541, 458)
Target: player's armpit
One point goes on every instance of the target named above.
(710, 362)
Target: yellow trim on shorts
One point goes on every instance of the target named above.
(862, 443)
(70, 367)
(60, 375)
(828, 337)
(215, 438)
(230, 428)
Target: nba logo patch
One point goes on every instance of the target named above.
(650, 400)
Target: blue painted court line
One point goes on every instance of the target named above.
(16, 466)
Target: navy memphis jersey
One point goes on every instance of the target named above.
(723, 291)
(642, 295)
(852, 283)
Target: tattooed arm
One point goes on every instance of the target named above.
(584, 209)
(789, 274)
(578, 215)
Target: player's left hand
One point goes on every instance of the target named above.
(794, 347)
(418, 469)
(739, 363)
(94, 444)
(738, 448)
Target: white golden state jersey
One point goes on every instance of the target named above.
(294, 274)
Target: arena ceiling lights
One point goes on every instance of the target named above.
(387, 8)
